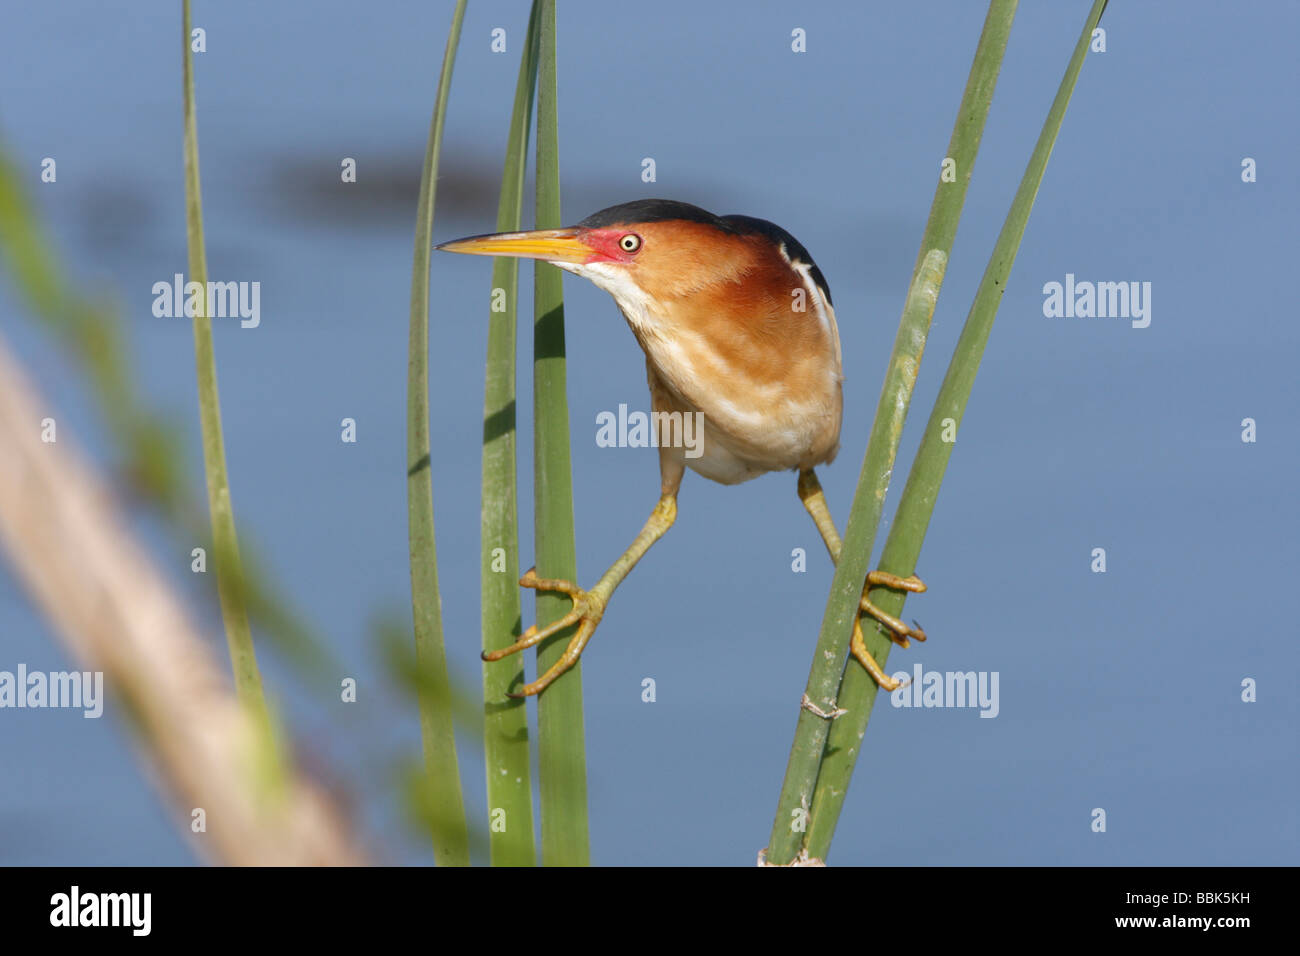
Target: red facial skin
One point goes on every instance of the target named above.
(605, 244)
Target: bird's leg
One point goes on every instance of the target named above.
(588, 606)
(810, 493)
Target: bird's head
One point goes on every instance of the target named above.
(652, 251)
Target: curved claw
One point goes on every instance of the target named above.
(567, 659)
(897, 630)
(531, 580)
(858, 649)
(883, 579)
(534, 636)
(587, 611)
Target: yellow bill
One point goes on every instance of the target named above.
(550, 245)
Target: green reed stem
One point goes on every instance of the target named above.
(509, 777)
(561, 748)
(903, 545)
(230, 586)
(437, 728)
(812, 729)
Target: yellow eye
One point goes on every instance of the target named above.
(630, 243)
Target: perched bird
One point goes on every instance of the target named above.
(736, 322)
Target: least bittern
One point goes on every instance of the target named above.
(736, 322)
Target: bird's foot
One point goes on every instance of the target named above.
(897, 630)
(588, 608)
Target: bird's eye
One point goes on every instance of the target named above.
(630, 243)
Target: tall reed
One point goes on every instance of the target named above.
(446, 810)
(561, 744)
(230, 584)
(509, 777)
(814, 727)
(903, 545)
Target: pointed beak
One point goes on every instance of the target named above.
(549, 245)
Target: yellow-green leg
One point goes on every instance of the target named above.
(588, 606)
(810, 493)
